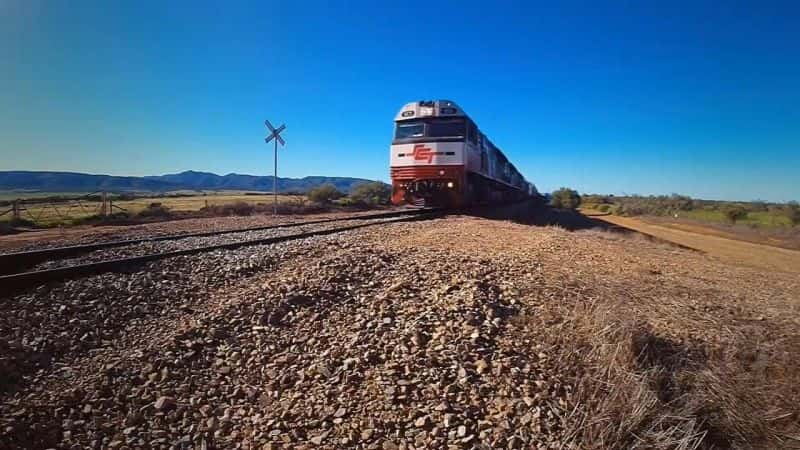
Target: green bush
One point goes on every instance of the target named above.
(604, 208)
(661, 205)
(346, 201)
(371, 194)
(734, 213)
(596, 199)
(792, 212)
(565, 198)
(324, 194)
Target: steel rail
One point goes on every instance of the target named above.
(16, 262)
(18, 282)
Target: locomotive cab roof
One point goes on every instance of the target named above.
(429, 108)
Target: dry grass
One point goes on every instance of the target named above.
(196, 203)
(239, 208)
(647, 380)
(52, 214)
(667, 348)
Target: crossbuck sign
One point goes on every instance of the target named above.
(275, 135)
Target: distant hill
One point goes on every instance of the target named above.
(83, 182)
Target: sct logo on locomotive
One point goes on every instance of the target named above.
(423, 153)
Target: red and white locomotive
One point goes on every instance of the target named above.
(439, 157)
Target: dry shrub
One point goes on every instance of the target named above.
(155, 210)
(299, 208)
(118, 218)
(239, 208)
(5, 228)
(287, 207)
(10, 226)
(640, 388)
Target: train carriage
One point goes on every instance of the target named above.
(439, 157)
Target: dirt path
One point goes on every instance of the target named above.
(729, 250)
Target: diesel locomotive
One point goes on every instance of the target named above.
(439, 157)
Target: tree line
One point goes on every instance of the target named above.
(673, 205)
(364, 194)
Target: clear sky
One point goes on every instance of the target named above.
(698, 98)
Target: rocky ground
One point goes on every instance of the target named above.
(178, 244)
(87, 234)
(452, 333)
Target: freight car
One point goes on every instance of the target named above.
(439, 157)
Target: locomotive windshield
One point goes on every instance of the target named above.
(446, 128)
(434, 128)
(408, 130)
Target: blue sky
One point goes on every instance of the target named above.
(699, 98)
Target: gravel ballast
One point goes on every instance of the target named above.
(450, 333)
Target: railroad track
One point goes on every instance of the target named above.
(19, 261)
(11, 283)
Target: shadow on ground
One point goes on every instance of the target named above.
(541, 215)
(538, 214)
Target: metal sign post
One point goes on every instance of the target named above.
(274, 134)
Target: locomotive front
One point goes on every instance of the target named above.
(427, 164)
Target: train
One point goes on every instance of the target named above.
(440, 158)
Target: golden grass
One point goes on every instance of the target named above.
(47, 214)
(196, 203)
(647, 386)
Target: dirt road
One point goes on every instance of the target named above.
(728, 250)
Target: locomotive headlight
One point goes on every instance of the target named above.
(450, 184)
(441, 172)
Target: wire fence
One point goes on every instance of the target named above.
(60, 210)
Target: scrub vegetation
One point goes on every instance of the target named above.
(756, 213)
(48, 210)
(565, 198)
(756, 221)
(371, 194)
(325, 194)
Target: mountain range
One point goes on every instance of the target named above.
(191, 180)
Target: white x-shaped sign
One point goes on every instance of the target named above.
(274, 133)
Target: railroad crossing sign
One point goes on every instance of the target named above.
(275, 135)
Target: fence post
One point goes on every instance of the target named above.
(15, 209)
(103, 211)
